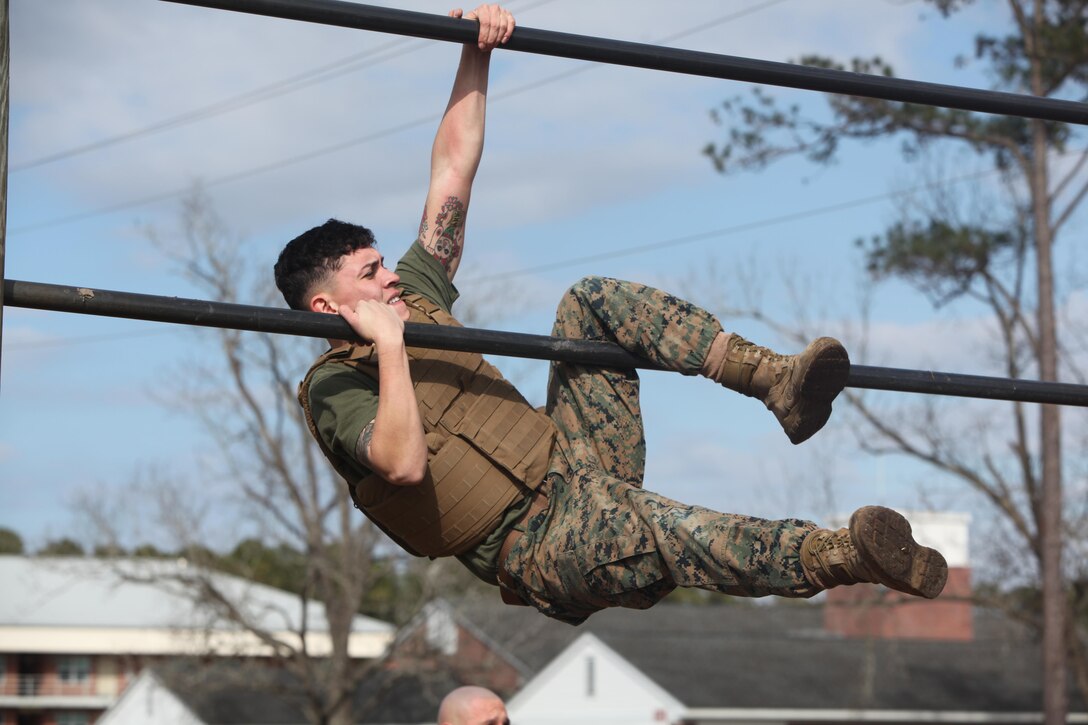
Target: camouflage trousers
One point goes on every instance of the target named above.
(603, 541)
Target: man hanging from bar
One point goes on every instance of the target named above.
(449, 459)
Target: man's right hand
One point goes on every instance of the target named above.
(375, 322)
(496, 24)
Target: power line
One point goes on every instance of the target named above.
(343, 145)
(81, 340)
(617, 253)
(314, 76)
(654, 246)
(736, 228)
(248, 98)
(638, 249)
(722, 20)
(656, 57)
(752, 225)
(751, 10)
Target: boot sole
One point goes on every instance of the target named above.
(823, 378)
(886, 545)
(827, 370)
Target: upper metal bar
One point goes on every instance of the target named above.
(206, 313)
(642, 55)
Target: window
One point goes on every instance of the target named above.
(74, 668)
(73, 718)
(591, 677)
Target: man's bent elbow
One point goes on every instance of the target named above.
(411, 475)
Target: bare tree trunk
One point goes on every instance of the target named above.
(245, 398)
(1050, 503)
(1054, 665)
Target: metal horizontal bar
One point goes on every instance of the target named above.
(675, 60)
(932, 382)
(205, 313)
(180, 310)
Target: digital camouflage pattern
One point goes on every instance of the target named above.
(603, 541)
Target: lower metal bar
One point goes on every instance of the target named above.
(180, 310)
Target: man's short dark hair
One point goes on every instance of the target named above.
(311, 256)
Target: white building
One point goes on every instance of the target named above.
(589, 682)
(75, 631)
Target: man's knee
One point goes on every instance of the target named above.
(585, 289)
(575, 307)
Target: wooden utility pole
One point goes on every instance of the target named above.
(1055, 676)
(5, 55)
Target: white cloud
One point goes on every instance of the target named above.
(82, 71)
(949, 345)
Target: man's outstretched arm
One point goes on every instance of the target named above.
(459, 142)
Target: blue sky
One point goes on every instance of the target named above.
(600, 162)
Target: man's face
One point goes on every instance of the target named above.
(362, 276)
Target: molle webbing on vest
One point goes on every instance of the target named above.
(486, 446)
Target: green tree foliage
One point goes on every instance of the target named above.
(10, 542)
(279, 566)
(391, 582)
(943, 259)
(62, 547)
(759, 131)
(108, 551)
(149, 551)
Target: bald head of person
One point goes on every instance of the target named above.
(472, 706)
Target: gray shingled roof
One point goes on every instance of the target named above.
(752, 656)
(730, 656)
(234, 693)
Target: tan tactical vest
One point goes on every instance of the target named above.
(486, 446)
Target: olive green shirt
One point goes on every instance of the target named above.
(344, 401)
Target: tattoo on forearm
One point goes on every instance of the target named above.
(362, 446)
(448, 238)
(423, 227)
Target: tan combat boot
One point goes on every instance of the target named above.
(798, 389)
(877, 548)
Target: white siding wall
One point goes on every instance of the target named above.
(590, 684)
(147, 701)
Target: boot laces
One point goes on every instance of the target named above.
(836, 545)
(764, 362)
(834, 559)
(758, 352)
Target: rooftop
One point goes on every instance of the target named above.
(114, 602)
(734, 648)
